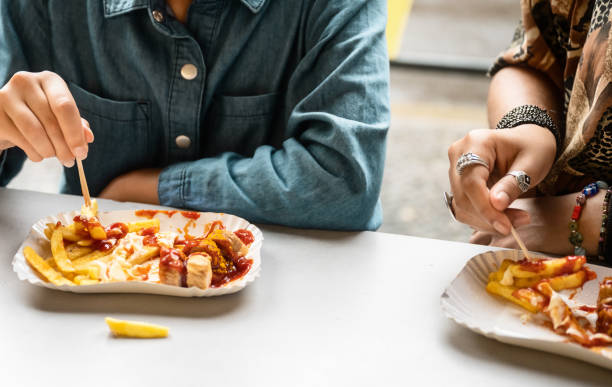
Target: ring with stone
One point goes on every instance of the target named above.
(468, 159)
(523, 180)
(448, 200)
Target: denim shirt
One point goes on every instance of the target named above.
(273, 110)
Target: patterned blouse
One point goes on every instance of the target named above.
(569, 41)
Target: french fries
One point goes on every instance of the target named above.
(499, 274)
(85, 252)
(41, 266)
(87, 258)
(567, 281)
(75, 251)
(72, 251)
(529, 301)
(147, 253)
(522, 282)
(143, 224)
(91, 272)
(84, 280)
(49, 230)
(59, 252)
(137, 329)
(69, 233)
(80, 250)
(97, 232)
(90, 211)
(548, 268)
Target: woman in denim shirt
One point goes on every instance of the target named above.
(274, 110)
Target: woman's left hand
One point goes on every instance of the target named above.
(136, 186)
(548, 230)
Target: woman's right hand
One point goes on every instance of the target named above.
(481, 195)
(39, 115)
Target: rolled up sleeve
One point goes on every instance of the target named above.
(328, 175)
(536, 42)
(20, 22)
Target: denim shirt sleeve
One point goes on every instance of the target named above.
(13, 58)
(329, 175)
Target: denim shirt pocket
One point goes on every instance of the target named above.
(243, 123)
(121, 139)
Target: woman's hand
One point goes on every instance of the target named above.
(39, 115)
(548, 231)
(136, 186)
(482, 196)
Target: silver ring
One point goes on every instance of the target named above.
(448, 200)
(468, 159)
(523, 180)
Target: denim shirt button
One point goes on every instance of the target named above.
(158, 16)
(189, 71)
(183, 141)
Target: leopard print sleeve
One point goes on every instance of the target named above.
(540, 40)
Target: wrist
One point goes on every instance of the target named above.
(536, 141)
(531, 114)
(540, 134)
(590, 222)
(554, 213)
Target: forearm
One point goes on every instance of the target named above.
(293, 186)
(548, 231)
(551, 215)
(136, 186)
(515, 86)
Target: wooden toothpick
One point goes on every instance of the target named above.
(519, 241)
(84, 188)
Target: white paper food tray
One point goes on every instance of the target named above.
(468, 303)
(39, 242)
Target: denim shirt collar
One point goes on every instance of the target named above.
(119, 7)
(254, 5)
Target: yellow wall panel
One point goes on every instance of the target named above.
(398, 11)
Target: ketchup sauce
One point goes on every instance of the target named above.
(173, 260)
(114, 232)
(216, 225)
(190, 214)
(149, 236)
(241, 267)
(151, 213)
(245, 236)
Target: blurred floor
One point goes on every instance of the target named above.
(470, 30)
(430, 110)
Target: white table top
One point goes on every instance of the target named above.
(330, 308)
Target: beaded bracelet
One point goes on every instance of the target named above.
(576, 237)
(607, 242)
(603, 231)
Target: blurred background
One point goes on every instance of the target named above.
(440, 51)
